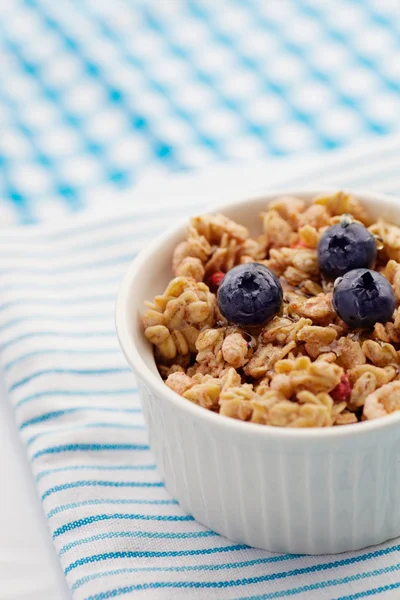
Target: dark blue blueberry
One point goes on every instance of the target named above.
(346, 246)
(249, 294)
(362, 298)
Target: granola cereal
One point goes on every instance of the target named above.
(306, 364)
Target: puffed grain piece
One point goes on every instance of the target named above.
(383, 401)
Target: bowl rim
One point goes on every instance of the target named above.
(140, 366)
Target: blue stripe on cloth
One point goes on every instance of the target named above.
(105, 501)
(146, 554)
(106, 262)
(107, 223)
(88, 425)
(35, 285)
(95, 467)
(117, 516)
(88, 448)
(77, 249)
(83, 372)
(55, 351)
(276, 558)
(252, 580)
(46, 317)
(97, 483)
(275, 576)
(374, 591)
(67, 411)
(75, 393)
(76, 334)
(330, 583)
(45, 300)
(138, 534)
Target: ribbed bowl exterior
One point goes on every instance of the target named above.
(283, 495)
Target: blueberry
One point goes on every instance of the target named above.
(362, 298)
(249, 294)
(346, 246)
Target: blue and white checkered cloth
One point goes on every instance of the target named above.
(115, 528)
(96, 94)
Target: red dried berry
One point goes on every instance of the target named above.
(215, 280)
(300, 245)
(343, 390)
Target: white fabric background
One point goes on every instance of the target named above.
(29, 567)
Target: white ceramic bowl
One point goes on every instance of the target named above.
(311, 491)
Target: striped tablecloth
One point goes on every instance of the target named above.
(115, 529)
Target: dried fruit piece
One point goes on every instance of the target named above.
(342, 391)
(215, 280)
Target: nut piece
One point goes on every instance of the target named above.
(390, 236)
(196, 246)
(288, 208)
(225, 256)
(157, 334)
(277, 231)
(346, 418)
(251, 250)
(262, 405)
(392, 274)
(214, 227)
(309, 236)
(234, 350)
(341, 203)
(350, 353)
(297, 264)
(283, 329)
(191, 267)
(295, 375)
(291, 414)
(382, 375)
(174, 318)
(363, 387)
(265, 358)
(317, 339)
(179, 382)
(388, 332)
(319, 309)
(380, 354)
(209, 359)
(204, 394)
(312, 288)
(316, 216)
(383, 401)
(152, 317)
(229, 378)
(235, 402)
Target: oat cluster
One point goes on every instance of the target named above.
(305, 368)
